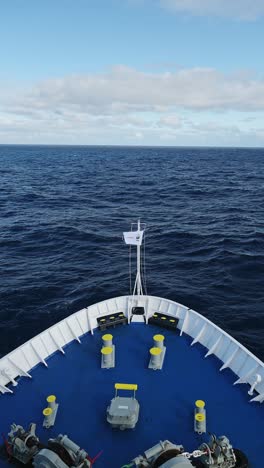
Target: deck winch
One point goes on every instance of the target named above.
(23, 445)
(123, 412)
(60, 452)
(217, 453)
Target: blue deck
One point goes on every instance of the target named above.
(166, 397)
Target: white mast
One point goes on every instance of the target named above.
(135, 238)
(138, 277)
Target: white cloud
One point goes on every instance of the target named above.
(124, 90)
(238, 9)
(124, 105)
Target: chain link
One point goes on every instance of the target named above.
(195, 454)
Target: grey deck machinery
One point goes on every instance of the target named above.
(217, 453)
(60, 452)
(123, 412)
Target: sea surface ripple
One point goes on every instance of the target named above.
(63, 210)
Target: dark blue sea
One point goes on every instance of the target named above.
(63, 211)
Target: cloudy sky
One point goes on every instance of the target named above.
(136, 72)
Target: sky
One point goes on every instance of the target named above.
(132, 72)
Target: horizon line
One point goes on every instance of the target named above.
(128, 145)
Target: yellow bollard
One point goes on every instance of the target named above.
(158, 341)
(51, 399)
(155, 358)
(48, 416)
(107, 356)
(107, 340)
(200, 417)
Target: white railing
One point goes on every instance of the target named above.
(230, 352)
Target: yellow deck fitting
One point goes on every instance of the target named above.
(47, 411)
(163, 320)
(108, 355)
(50, 412)
(124, 386)
(158, 338)
(49, 415)
(107, 337)
(155, 351)
(108, 340)
(200, 404)
(106, 350)
(51, 398)
(199, 417)
(158, 341)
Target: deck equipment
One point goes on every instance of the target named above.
(217, 453)
(123, 412)
(60, 452)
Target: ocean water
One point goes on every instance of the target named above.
(63, 210)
